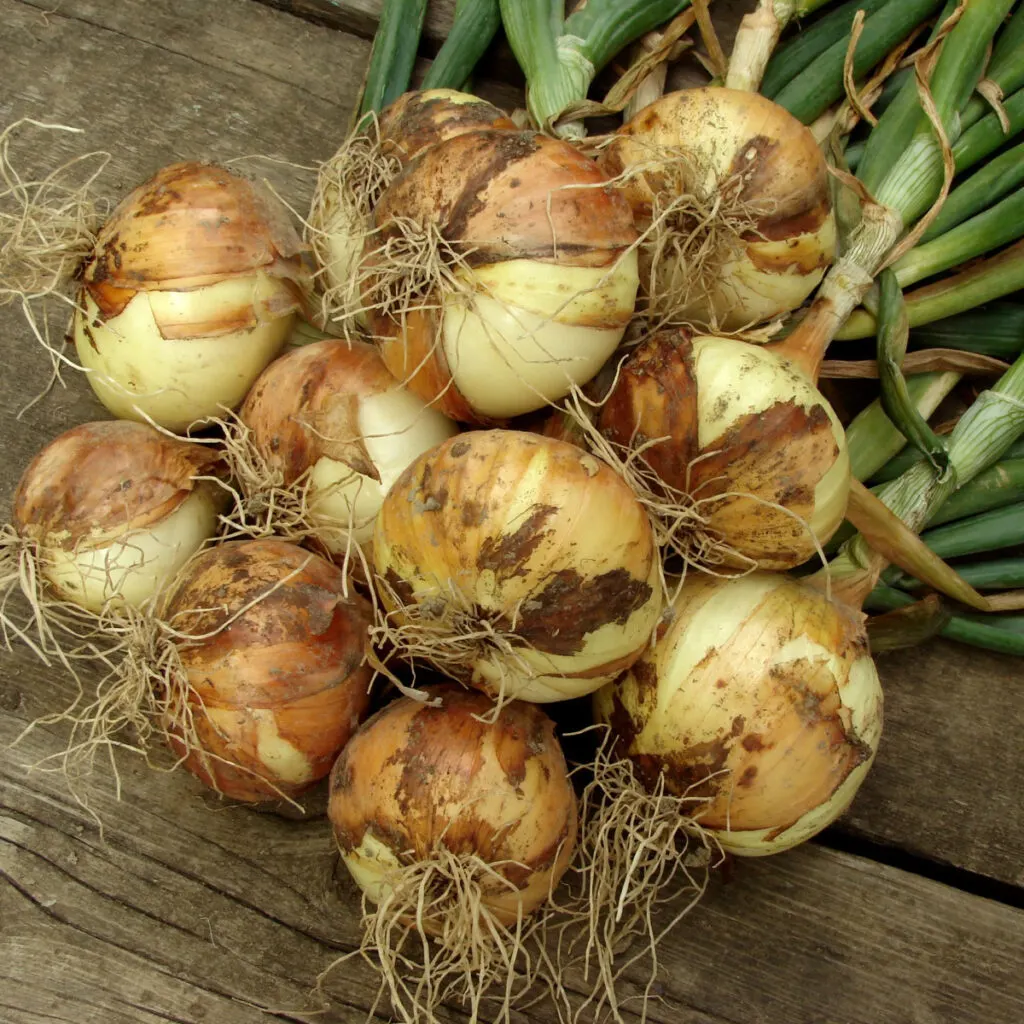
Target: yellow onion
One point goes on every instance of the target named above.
(350, 183)
(331, 418)
(760, 701)
(743, 438)
(518, 564)
(271, 675)
(113, 510)
(191, 290)
(499, 273)
(740, 191)
(417, 776)
(456, 828)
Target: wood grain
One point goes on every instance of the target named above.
(186, 909)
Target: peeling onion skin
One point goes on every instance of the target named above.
(415, 776)
(115, 509)
(191, 290)
(783, 258)
(333, 410)
(547, 286)
(765, 684)
(535, 537)
(409, 125)
(737, 419)
(276, 693)
(417, 120)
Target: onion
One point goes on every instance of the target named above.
(740, 452)
(500, 273)
(335, 429)
(270, 677)
(518, 564)
(453, 827)
(737, 192)
(190, 291)
(761, 700)
(351, 182)
(112, 511)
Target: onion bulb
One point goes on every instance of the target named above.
(351, 182)
(500, 273)
(191, 290)
(335, 429)
(113, 510)
(760, 701)
(517, 564)
(270, 677)
(456, 828)
(739, 448)
(737, 192)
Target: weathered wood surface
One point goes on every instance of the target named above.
(189, 911)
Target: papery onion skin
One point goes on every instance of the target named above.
(546, 284)
(762, 699)
(333, 410)
(538, 539)
(723, 132)
(412, 123)
(418, 120)
(738, 420)
(416, 776)
(276, 692)
(191, 290)
(115, 509)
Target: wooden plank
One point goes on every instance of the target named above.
(942, 786)
(187, 910)
(361, 17)
(156, 82)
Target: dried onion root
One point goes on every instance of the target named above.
(457, 831)
(517, 564)
(351, 183)
(48, 227)
(731, 194)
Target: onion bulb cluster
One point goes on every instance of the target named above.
(736, 189)
(760, 701)
(329, 420)
(499, 274)
(351, 182)
(517, 564)
(113, 510)
(736, 434)
(271, 675)
(192, 288)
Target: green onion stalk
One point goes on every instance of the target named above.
(820, 84)
(980, 438)
(984, 281)
(903, 169)
(561, 56)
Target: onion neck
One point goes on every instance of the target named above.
(756, 39)
(842, 290)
